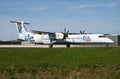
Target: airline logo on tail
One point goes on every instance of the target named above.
(23, 34)
(19, 29)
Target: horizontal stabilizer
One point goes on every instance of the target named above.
(19, 22)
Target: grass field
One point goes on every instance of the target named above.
(60, 63)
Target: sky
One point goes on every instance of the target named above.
(92, 16)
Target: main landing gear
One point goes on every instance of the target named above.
(50, 45)
(67, 45)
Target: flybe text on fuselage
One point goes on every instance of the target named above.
(26, 35)
(84, 38)
(79, 38)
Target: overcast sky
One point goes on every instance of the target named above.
(93, 16)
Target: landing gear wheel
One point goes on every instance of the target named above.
(67, 45)
(51, 46)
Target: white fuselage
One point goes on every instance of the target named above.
(45, 38)
(72, 38)
(88, 38)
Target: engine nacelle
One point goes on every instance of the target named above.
(59, 35)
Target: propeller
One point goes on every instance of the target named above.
(65, 33)
(82, 32)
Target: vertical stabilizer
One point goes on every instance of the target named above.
(22, 31)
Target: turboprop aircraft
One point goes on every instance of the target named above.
(41, 37)
(36, 36)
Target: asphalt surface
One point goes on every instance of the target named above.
(31, 46)
(47, 46)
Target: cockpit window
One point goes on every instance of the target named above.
(101, 36)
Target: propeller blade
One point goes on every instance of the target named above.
(65, 33)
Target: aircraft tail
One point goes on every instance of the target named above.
(21, 28)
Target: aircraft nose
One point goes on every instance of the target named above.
(111, 41)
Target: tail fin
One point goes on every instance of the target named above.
(20, 25)
(21, 28)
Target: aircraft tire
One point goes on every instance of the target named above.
(67, 45)
(51, 46)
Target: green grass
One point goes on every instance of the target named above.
(57, 63)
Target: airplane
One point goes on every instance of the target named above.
(41, 37)
(33, 36)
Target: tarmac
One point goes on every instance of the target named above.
(31, 46)
(46, 46)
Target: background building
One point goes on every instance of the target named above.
(115, 38)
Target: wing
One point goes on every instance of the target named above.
(52, 36)
(41, 32)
